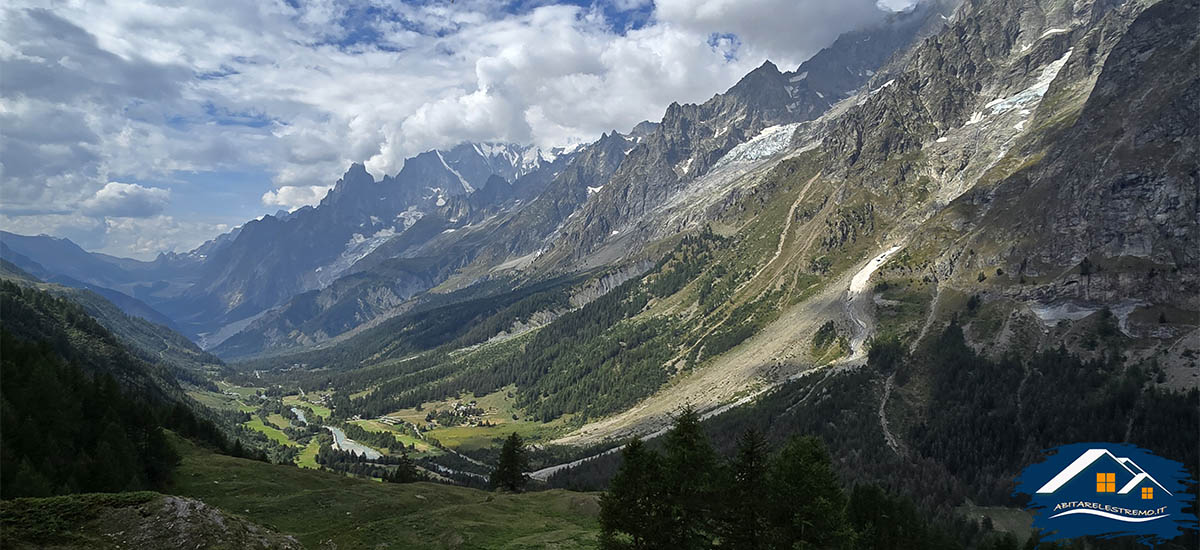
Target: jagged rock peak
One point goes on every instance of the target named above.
(643, 129)
(357, 170)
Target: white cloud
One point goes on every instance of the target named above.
(146, 237)
(292, 197)
(141, 238)
(139, 90)
(126, 200)
(787, 31)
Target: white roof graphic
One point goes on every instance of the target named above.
(1087, 459)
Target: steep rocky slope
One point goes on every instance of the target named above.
(964, 155)
(691, 139)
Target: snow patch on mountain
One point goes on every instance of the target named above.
(408, 217)
(466, 185)
(357, 248)
(875, 91)
(1033, 92)
(769, 142)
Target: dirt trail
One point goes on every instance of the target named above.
(787, 229)
(783, 235)
(892, 440)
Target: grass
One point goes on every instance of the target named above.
(242, 391)
(106, 521)
(499, 409)
(215, 400)
(60, 520)
(220, 401)
(468, 438)
(323, 509)
(295, 401)
(271, 432)
(278, 420)
(905, 307)
(308, 457)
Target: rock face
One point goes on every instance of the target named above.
(1119, 186)
(132, 520)
(692, 138)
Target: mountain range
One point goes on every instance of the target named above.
(949, 132)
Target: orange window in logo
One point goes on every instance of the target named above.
(1147, 493)
(1106, 483)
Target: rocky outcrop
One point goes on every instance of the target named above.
(131, 520)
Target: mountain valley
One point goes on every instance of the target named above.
(945, 243)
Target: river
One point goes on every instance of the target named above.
(343, 443)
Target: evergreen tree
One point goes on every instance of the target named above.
(745, 522)
(808, 508)
(405, 472)
(631, 509)
(509, 474)
(885, 522)
(692, 479)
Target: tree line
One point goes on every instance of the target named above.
(688, 497)
(394, 469)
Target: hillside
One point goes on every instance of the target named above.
(81, 412)
(326, 509)
(149, 342)
(226, 502)
(33, 316)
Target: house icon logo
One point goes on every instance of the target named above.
(1107, 490)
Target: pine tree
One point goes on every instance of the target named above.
(692, 479)
(405, 472)
(509, 474)
(808, 506)
(745, 521)
(631, 509)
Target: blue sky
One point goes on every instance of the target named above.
(135, 127)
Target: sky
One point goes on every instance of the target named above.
(137, 127)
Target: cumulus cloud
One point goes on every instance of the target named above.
(787, 31)
(126, 200)
(292, 197)
(145, 90)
